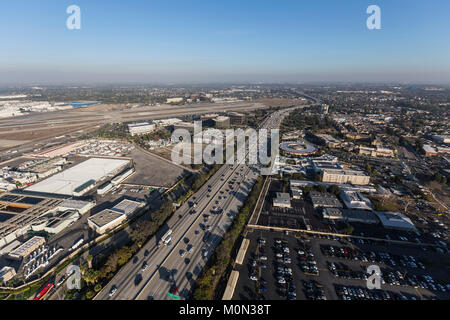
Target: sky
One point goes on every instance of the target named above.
(188, 41)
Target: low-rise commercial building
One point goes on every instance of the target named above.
(128, 207)
(429, 150)
(79, 179)
(81, 206)
(141, 128)
(27, 248)
(7, 273)
(106, 220)
(175, 100)
(222, 122)
(189, 126)
(345, 176)
(328, 140)
(105, 188)
(236, 118)
(396, 221)
(346, 215)
(379, 151)
(355, 200)
(441, 138)
(324, 200)
(282, 200)
(122, 176)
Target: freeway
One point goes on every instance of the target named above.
(171, 266)
(127, 279)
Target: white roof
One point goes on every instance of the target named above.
(67, 181)
(127, 206)
(394, 220)
(74, 204)
(428, 148)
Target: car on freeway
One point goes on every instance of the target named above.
(112, 291)
(182, 253)
(144, 266)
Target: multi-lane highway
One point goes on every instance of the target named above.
(173, 266)
(131, 280)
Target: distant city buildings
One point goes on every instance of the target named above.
(328, 140)
(344, 176)
(429, 150)
(300, 147)
(442, 139)
(175, 100)
(379, 151)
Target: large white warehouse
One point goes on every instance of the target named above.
(79, 179)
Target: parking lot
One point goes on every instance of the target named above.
(280, 266)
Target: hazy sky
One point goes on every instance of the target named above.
(211, 40)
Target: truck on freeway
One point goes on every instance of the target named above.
(166, 238)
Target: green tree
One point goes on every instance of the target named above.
(334, 189)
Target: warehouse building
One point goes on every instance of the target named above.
(128, 207)
(141, 128)
(81, 206)
(18, 212)
(122, 176)
(105, 188)
(27, 248)
(110, 218)
(80, 179)
(106, 220)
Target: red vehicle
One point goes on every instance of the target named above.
(41, 295)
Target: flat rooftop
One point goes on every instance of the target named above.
(105, 217)
(68, 180)
(127, 206)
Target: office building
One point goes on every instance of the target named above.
(282, 200)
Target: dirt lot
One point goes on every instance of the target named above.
(153, 171)
(38, 133)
